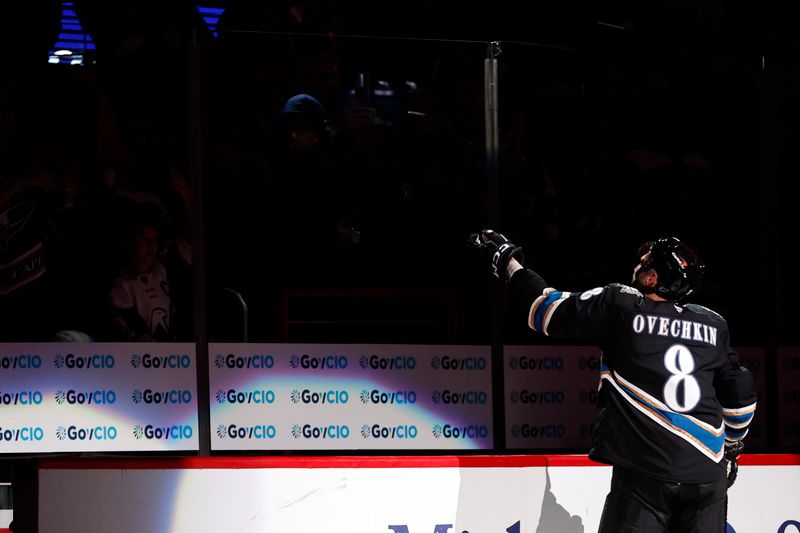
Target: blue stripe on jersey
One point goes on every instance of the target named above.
(714, 443)
(735, 434)
(731, 420)
(541, 311)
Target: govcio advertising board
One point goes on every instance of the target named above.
(550, 395)
(97, 397)
(335, 397)
(789, 397)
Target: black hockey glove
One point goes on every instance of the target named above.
(732, 451)
(501, 251)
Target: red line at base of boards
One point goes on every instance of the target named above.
(451, 461)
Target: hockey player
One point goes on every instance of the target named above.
(674, 402)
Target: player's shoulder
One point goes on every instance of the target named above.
(704, 311)
(614, 293)
(624, 294)
(620, 288)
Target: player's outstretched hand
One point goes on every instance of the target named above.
(499, 249)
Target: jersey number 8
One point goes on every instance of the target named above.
(681, 391)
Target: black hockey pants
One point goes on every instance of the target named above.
(637, 504)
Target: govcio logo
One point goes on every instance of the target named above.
(527, 397)
(90, 397)
(378, 431)
(531, 431)
(446, 397)
(308, 396)
(167, 397)
(400, 397)
(258, 362)
(89, 433)
(93, 362)
(792, 430)
(588, 396)
(589, 363)
(24, 434)
(308, 431)
(753, 365)
(258, 432)
(536, 363)
(258, 396)
(791, 363)
(320, 362)
(447, 431)
(398, 362)
(458, 363)
(25, 397)
(151, 432)
(23, 362)
(171, 361)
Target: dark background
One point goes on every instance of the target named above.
(619, 122)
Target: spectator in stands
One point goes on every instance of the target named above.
(142, 307)
(303, 170)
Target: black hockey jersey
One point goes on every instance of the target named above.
(671, 388)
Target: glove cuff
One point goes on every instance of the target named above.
(501, 258)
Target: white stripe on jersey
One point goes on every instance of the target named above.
(739, 411)
(651, 399)
(716, 457)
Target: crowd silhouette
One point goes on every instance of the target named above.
(342, 146)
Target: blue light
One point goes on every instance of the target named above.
(72, 38)
(211, 16)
